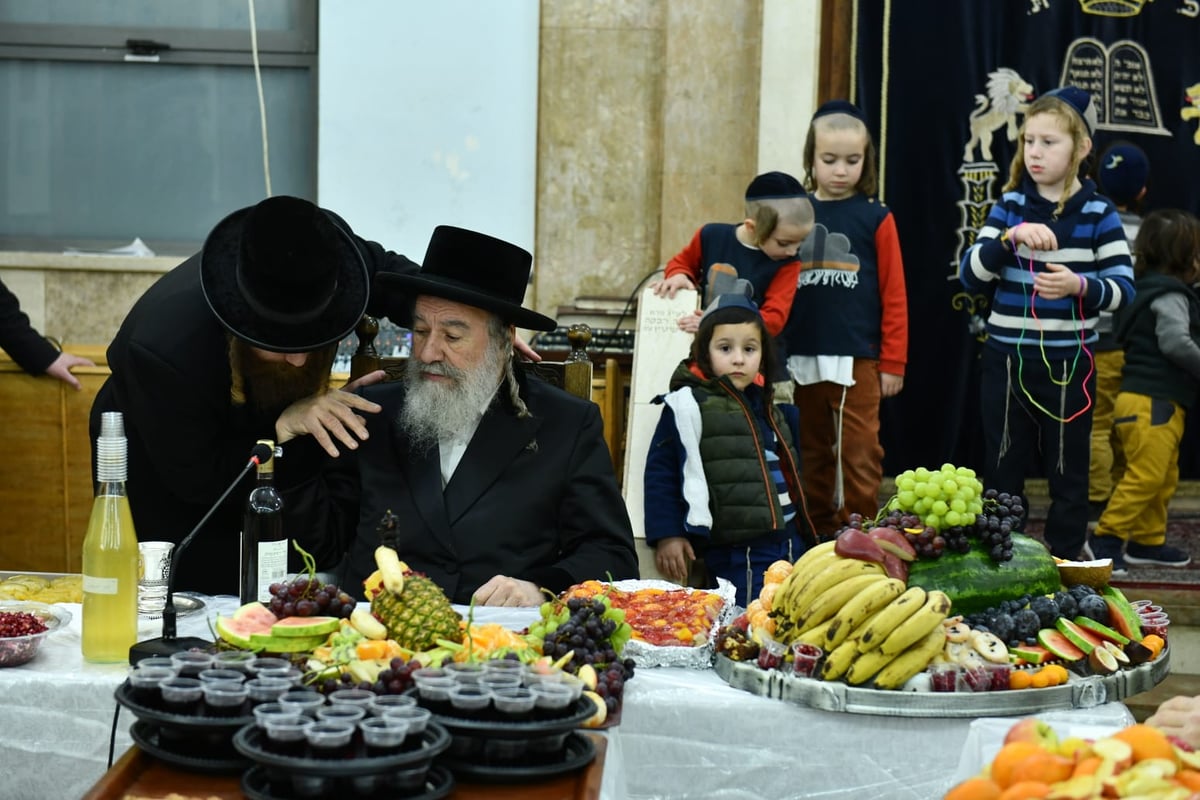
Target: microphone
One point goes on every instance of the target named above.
(169, 643)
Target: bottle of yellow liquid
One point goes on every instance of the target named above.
(110, 554)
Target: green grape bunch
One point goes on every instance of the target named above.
(946, 498)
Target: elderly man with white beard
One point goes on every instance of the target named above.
(502, 484)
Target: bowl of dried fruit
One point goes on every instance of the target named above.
(23, 628)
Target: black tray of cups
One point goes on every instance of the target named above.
(190, 737)
(489, 745)
(351, 772)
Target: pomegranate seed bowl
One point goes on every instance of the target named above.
(23, 628)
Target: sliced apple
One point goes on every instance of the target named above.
(894, 542)
(597, 719)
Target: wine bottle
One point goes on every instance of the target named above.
(110, 553)
(264, 546)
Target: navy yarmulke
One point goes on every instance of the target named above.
(1122, 173)
(1079, 100)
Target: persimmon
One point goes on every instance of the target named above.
(1155, 642)
(974, 789)
(1020, 679)
(1026, 790)
(1147, 742)
(1058, 672)
(1011, 755)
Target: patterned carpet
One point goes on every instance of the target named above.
(1183, 531)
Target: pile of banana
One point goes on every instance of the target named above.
(869, 625)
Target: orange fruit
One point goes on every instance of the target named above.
(1026, 790)
(1020, 679)
(1043, 767)
(1188, 778)
(1147, 742)
(1087, 766)
(1006, 762)
(974, 789)
(1041, 679)
(1155, 642)
(777, 571)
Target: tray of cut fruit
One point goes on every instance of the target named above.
(672, 625)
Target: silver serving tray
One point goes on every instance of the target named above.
(918, 701)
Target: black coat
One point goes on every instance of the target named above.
(533, 498)
(18, 338)
(171, 378)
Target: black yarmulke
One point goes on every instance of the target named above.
(840, 107)
(773, 186)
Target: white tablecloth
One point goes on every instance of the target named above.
(683, 733)
(56, 711)
(687, 734)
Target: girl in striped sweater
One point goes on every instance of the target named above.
(1054, 254)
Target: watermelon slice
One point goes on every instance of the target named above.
(305, 626)
(250, 619)
(1059, 645)
(1121, 614)
(1101, 630)
(1031, 653)
(1084, 640)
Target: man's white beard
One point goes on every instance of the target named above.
(436, 410)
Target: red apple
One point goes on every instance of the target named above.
(853, 543)
(1032, 729)
(894, 542)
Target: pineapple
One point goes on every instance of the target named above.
(418, 616)
(414, 608)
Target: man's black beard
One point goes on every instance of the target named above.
(272, 386)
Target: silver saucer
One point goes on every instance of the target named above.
(186, 604)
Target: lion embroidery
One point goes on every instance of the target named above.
(1008, 95)
(1192, 93)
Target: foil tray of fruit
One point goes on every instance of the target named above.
(672, 625)
(939, 605)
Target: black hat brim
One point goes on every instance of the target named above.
(400, 289)
(218, 280)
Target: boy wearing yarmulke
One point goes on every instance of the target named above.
(1056, 253)
(761, 250)
(1121, 173)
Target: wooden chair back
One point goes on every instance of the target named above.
(573, 374)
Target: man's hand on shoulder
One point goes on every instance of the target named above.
(502, 590)
(333, 414)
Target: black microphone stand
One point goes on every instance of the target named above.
(169, 643)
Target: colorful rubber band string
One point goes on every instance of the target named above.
(1080, 348)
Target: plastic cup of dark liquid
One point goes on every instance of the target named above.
(191, 662)
(144, 684)
(181, 695)
(224, 698)
(329, 739)
(234, 659)
(383, 735)
(285, 734)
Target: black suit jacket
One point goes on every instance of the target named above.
(171, 379)
(533, 498)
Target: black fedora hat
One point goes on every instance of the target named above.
(284, 276)
(470, 268)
